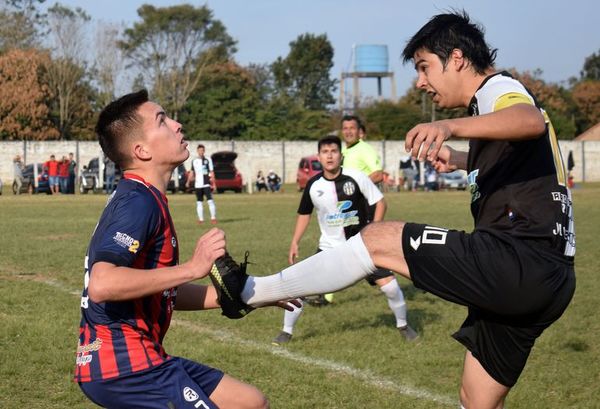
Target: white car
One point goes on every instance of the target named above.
(453, 180)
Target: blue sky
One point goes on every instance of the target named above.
(553, 35)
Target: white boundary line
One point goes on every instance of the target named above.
(360, 374)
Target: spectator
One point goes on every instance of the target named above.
(109, 171)
(18, 173)
(409, 173)
(274, 181)
(570, 166)
(431, 179)
(261, 182)
(63, 175)
(72, 174)
(51, 167)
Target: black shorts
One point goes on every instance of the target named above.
(514, 289)
(201, 192)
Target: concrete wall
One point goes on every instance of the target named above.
(282, 157)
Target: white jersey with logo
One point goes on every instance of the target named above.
(202, 167)
(342, 204)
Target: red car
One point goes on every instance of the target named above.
(307, 168)
(227, 177)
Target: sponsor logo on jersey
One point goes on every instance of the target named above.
(340, 218)
(83, 352)
(126, 241)
(349, 188)
(473, 186)
(173, 242)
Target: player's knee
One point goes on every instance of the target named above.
(381, 238)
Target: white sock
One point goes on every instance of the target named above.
(200, 211)
(395, 298)
(290, 318)
(212, 209)
(325, 272)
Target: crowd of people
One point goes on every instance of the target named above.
(61, 174)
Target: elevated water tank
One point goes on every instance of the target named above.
(371, 58)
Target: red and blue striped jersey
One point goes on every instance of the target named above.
(120, 338)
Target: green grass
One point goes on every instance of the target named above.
(344, 356)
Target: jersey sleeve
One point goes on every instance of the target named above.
(502, 94)
(366, 186)
(306, 204)
(211, 168)
(130, 225)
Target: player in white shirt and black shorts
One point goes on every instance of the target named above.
(342, 199)
(204, 176)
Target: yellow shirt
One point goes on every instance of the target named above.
(361, 156)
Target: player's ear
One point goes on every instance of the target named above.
(141, 152)
(457, 59)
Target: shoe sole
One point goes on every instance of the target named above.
(217, 280)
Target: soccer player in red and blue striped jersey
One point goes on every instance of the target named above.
(133, 279)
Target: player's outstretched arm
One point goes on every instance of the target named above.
(516, 122)
(109, 282)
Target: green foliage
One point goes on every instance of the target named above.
(305, 73)
(347, 355)
(389, 120)
(591, 67)
(173, 45)
(224, 104)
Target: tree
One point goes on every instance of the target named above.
(174, 45)
(108, 62)
(591, 67)
(390, 120)
(224, 104)
(586, 95)
(20, 24)
(304, 73)
(24, 96)
(66, 72)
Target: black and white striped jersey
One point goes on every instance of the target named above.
(341, 203)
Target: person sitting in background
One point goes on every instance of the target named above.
(261, 182)
(274, 181)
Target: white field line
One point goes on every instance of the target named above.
(360, 374)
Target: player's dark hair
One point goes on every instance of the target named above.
(446, 32)
(118, 121)
(330, 140)
(200, 146)
(354, 118)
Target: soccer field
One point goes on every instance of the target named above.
(347, 355)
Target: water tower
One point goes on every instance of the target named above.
(369, 61)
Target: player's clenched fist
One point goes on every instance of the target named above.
(210, 246)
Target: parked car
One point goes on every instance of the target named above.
(90, 177)
(227, 177)
(307, 168)
(29, 183)
(182, 174)
(453, 180)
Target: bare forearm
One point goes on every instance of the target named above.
(113, 283)
(302, 223)
(192, 297)
(518, 122)
(376, 176)
(380, 208)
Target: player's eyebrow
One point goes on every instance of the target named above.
(417, 63)
(160, 115)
